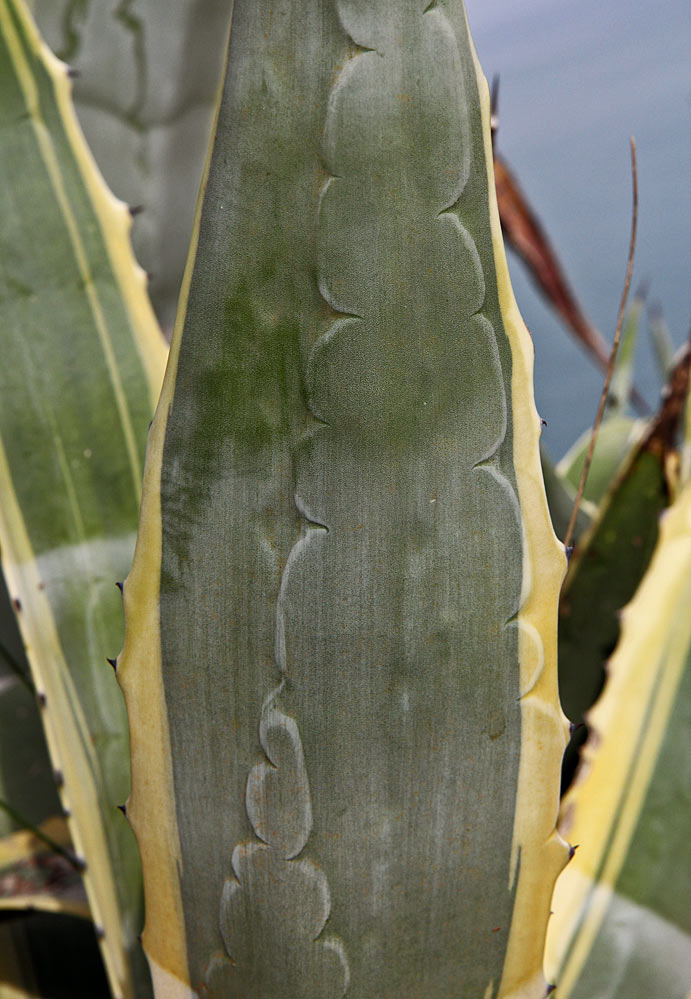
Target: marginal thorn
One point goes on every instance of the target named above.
(135, 209)
(113, 663)
(494, 108)
(42, 699)
(73, 73)
(569, 551)
(543, 423)
(99, 931)
(120, 587)
(123, 809)
(358, 49)
(58, 778)
(550, 990)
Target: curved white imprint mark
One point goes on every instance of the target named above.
(275, 906)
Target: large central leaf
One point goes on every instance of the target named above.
(340, 619)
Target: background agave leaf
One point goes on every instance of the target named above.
(149, 73)
(561, 497)
(26, 775)
(622, 918)
(612, 557)
(32, 873)
(340, 621)
(622, 378)
(616, 439)
(619, 432)
(82, 359)
(663, 346)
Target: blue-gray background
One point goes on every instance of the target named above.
(577, 79)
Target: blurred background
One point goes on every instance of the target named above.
(576, 81)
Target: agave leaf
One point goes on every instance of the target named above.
(145, 96)
(618, 433)
(663, 346)
(26, 775)
(82, 358)
(339, 665)
(561, 497)
(612, 557)
(622, 377)
(622, 919)
(617, 437)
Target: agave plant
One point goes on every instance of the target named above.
(340, 660)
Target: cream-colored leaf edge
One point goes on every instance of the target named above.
(151, 808)
(539, 852)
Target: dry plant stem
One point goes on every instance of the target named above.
(613, 355)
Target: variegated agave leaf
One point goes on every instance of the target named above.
(622, 920)
(340, 657)
(82, 359)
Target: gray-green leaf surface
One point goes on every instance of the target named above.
(346, 662)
